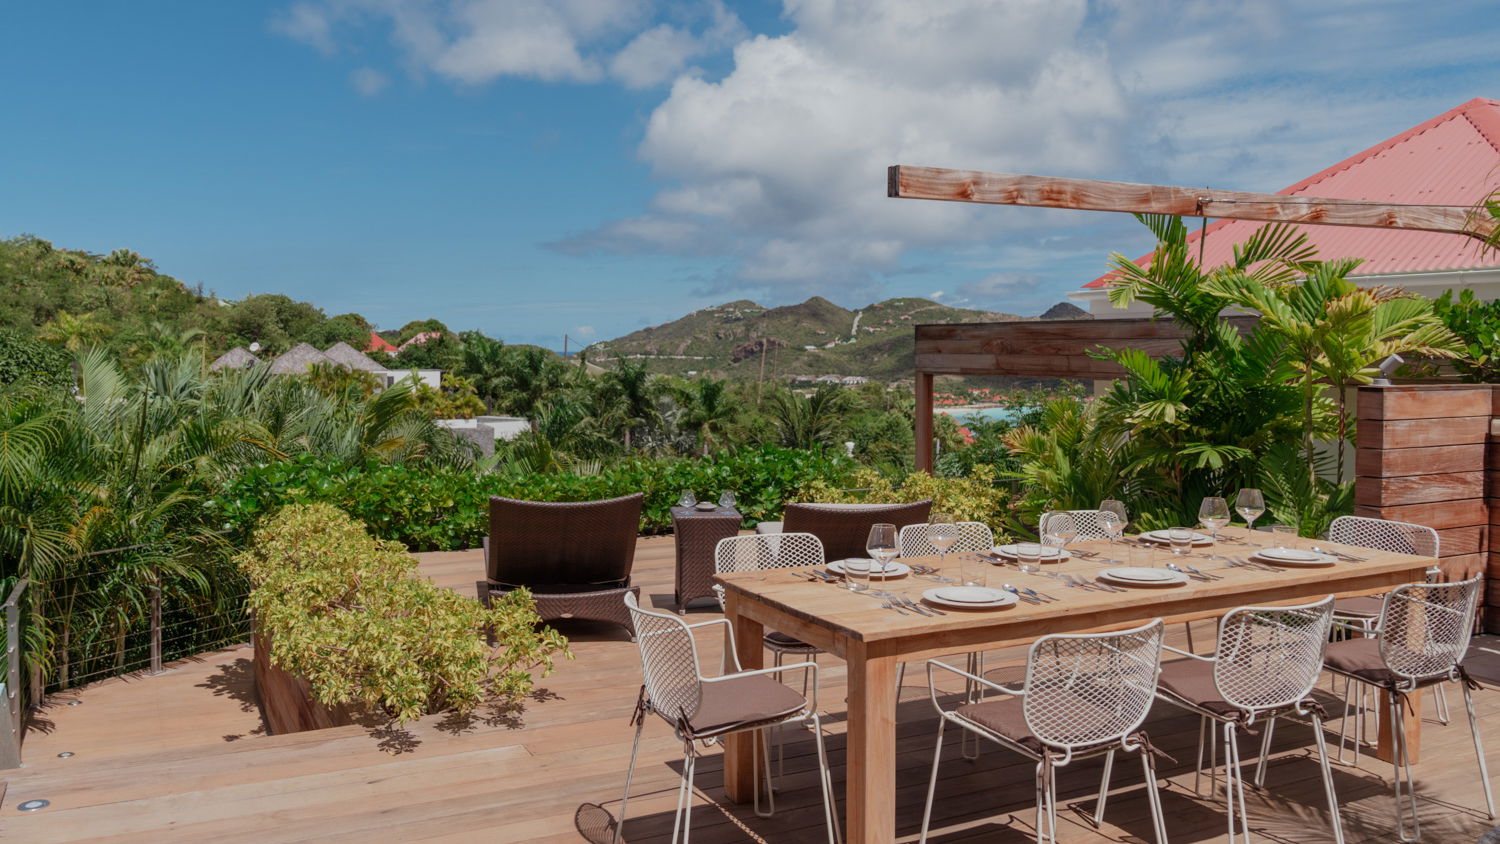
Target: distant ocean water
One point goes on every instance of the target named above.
(988, 414)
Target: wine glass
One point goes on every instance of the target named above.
(1250, 504)
(882, 544)
(942, 532)
(726, 498)
(1213, 514)
(1111, 505)
(1062, 530)
(687, 498)
(1112, 525)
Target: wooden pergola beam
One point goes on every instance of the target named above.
(908, 182)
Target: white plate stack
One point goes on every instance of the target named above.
(969, 597)
(891, 570)
(1135, 576)
(1293, 557)
(1162, 537)
(1049, 554)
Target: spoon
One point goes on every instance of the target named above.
(1199, 576)
(1023, 596)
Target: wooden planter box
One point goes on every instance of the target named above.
(286, 701)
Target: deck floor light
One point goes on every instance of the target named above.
(1386, 367)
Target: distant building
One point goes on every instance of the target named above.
(810, 348)
(421, 338)
(380, 344)
(830, 379)
(298, 359)
(344, 354)
(236, 358)
(855, 380)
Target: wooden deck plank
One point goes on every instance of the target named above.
(177, 757)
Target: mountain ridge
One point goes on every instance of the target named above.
(812, 338)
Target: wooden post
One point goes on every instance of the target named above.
(924, 422)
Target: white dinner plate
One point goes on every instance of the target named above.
(1294, 557)
(1136, 576)
(1049, 553)
(1162, 537)
(706, 505)
(1004, 599)
(892, 570)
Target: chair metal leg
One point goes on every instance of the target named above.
(973, 693)
(1440, 699)
(1154, 796)
(1400, 761)
(1051, 804)
(1265, 751)
(682, 819)
(761, 746)
(937, 756)
(825, 775)
(1234, 783)
(629, 772)
(1484, 772)
(1041, 797)
(1109, 763)
(1334, 816)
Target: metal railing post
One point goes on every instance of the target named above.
(156, 623)
(10, 736)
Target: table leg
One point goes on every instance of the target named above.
(1385, 751)
(739, 759)
(871, 748)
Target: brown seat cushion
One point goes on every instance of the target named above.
(1368, 606)
(1004, 717)
(1192, 681)
(743, 702)
(1360, 658)
(782, 640)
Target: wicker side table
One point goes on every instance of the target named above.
(697, 532)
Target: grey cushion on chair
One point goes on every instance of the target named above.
(1366, 606)
(768, 527)
(1004, 717)
(743, 702)
(1361, 658)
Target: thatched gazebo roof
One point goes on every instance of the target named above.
(237, 358)
(297, 360)
(344, 354)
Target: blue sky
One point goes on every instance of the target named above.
(535, 167)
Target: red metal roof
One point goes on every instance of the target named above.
(1452, 159)
(379, 344)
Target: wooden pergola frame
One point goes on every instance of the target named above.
(1060, 349)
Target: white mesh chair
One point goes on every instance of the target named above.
(1360, 614)
(972, 536)
(758, 552)
(702, 710)
(1085, 523)
(1266, 663)
(1084, 695)
(1422, 637)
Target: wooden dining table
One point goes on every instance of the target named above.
(873, 640)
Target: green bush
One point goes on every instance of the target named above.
(27, 361)
(969, 499)
(441, 509)
(347, 612)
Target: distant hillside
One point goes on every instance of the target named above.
(875, 341)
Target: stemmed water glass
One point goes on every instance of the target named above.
(882, 544)
(1250, 504)
(726, 498)
(687, 499)
(1213, 514)
(942, 532)
(1111, 505)
(1112, 525)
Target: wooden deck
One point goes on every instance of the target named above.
(181, 757)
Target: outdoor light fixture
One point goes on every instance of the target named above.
(1386, 367)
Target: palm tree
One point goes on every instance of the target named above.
(74, 333)
(710, 407)
(485, 364)
(627, 389)
(531, 374)
(811, 421)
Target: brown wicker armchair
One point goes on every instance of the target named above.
(575, 557)
(843, 529)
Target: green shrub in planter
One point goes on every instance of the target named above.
(348, 613)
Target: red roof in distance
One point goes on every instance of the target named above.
(379, 344)
(1452, 159)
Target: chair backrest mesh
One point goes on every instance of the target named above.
(843, 530)
(767, 551)
(1425, 627)
(1085, 523)
(669, 661)
(972, 536)
(1384, 535)
(1091, 688)
(1270, 657)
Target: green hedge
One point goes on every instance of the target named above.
(441, 510)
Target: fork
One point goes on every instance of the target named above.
(1098, 584)
(922, 608)
(890, 606)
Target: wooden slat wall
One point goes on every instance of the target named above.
(1425, 455)
(1046, 348)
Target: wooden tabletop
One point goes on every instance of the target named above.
(826, 614)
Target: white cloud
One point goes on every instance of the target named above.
(368, 81)
(584, 332)
(478, 41)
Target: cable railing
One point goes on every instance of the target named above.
(10, 739)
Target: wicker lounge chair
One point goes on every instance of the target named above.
(575, 557)
(843, 529)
